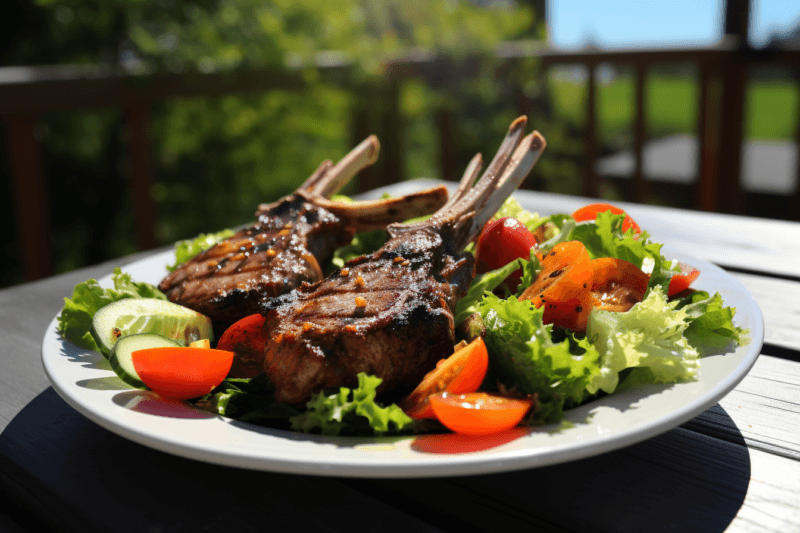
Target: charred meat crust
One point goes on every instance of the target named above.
(282, 250)
(389, 314)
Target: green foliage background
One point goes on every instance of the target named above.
(217, 158)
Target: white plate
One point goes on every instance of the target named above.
(86, 382)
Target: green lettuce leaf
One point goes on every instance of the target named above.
(523, 356)
(351, 411)
(604, 238)
(558, 229)
(75, 320)
(482, 284)
(530, 271)
(185, 250)
(511, 208)
(651, 335)
(710, 323)
(250, 400)
(363, 243)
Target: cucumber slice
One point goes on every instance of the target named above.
(122, 361)
(144, 315)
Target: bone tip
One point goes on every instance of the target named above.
(374, 147)
(538, 142)
(520, 122)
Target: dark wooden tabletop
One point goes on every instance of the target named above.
(736, 467)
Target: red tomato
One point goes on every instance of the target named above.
(182, 373)
(617, 285)
(500, 242)
(563, 286)
(461, 372)
(591, 211)
(245, 334)
(681, 282)
(478, 413)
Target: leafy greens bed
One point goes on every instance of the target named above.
(658, 340)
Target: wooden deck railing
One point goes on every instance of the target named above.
(28, 92)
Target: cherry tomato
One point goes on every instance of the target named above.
(564, 286)
(502, 241)
(180, 372)
(681, 282)
(461, 372)
(478, 413)
(617, 284)
(247, 339)
(591, 211)
(246, 331)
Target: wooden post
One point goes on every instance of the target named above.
(30, 197)
(794, 206)
(708, 137)
(640, 185)
(730, 197)
(591, 186)
(140, 164)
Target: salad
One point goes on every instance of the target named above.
(564, 309)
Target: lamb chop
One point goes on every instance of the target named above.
(289, 242)
(390, 314)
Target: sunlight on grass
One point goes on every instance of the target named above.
(771, 109)
(672, 106)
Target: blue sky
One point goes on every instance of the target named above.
(659, 23)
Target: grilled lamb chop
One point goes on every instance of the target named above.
(389, 314)
(289, 241)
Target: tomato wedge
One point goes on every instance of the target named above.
(681, 282)
(246, 333)
(590, 212)
(500, 242)
(617, 284)
(180, 372)
(564, 286)
(478, 413)
(461, 372)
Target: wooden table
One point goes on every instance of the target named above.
(735, 467)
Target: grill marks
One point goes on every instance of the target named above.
(278, 253)
(322, 336)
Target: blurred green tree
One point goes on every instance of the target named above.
(216, 159)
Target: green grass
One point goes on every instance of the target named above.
(672, 104)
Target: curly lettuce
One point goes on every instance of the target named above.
(650, 335)
(249, 400)
(525, 357)
(187, 249)
(352, 411)
(710, 323)
(75, 320)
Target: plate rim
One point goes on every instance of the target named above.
(430, 465)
